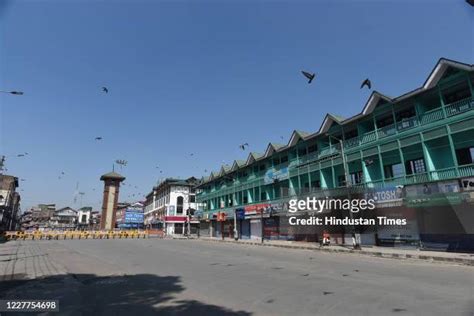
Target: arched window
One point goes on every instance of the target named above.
(179, 205)
(83, 218)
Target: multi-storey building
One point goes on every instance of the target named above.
(9, 203)
(38, 217)
(84, 217)
(169, 204)
(63, 219)
(413, 153)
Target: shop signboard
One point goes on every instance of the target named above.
(240, 213)
(256, 210)
(175, 219)
(385, 195)
(133, 217)
(467, 184)
(279, 207)
(432, 194)
(273, 175)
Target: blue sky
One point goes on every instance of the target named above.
(196, 77)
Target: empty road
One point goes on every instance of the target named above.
(193, 277)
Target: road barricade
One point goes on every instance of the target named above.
(76, 234)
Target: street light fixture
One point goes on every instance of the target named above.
(12, 92)
(355, 236)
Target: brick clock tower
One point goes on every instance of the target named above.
(109, 203)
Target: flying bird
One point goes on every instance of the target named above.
(104, 89)
(98, 138)
(308, 75)
(20, 155)
(62, 172)
(243, 146)
(366, 83)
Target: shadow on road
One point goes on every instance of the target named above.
(88, 294)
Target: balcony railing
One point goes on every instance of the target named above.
(407, 123)
(425, 118)
(431, 116)
(466, 171)
(460, 106)
(442, 174)
(385, 131)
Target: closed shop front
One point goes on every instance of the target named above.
(205, 229)
(216, 228)
(255, 229)
(271, 228)
(245, 229)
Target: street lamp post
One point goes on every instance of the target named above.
(355, 236)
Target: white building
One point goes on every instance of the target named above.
(63, 219)
(84, 217)
(169, 204)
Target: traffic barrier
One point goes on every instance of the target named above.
(70, 234)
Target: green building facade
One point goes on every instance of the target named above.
(422, 139)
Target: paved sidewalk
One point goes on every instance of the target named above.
(384, 252)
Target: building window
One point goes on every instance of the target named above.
(356, 177)
(262, 167)
(385, 121)
(456, 93)
(415, 166)
(465, 155)
(301, 152)
(284, 159)
(246, 199)
(263, 196)
(316, 184)
(312, 148)
(192, 198)
(179, 205)
(394, 171)
(341, 181)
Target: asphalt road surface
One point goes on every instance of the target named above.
(192, 277)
